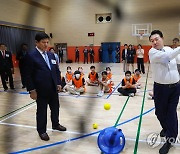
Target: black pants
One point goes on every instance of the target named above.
(7, 73)
(85, 59)
(41, 114)
(166, 99)
(127, 91)
(61, 58)
(91, 59)
(23, 75)
(140, 64)
(77, 58)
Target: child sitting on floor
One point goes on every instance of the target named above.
(80, 69)
(105, 84)
(93, 77)
(128, 87)
(109, 74)
(137, 77)
(68, 78)
(78, 84)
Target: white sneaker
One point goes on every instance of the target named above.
(131, 94)
(100, 94)
(138, 87)
(77, 93)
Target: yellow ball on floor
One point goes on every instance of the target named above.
(107, 106)
(95, 125)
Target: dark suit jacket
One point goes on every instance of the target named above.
(39, 76)
(6, 63)
(123, 54)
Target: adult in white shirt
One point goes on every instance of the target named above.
(140, 58)
(174, 46)
(166, 93)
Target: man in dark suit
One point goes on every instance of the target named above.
(43, 83)
(21, 57)
(6, 67)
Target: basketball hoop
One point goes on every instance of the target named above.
(141, 36)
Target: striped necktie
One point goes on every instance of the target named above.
(47, 60)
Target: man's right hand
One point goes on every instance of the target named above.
(33, 94)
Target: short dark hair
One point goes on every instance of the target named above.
(156, 32)
(176, 39)
(125, 45)
(128, 72)
(40, 36)
(108, 68)
(2, 44)
(104, 73)
(92, 67)
(139, 45)
(137, 70)
(69, 67)
(77, 72)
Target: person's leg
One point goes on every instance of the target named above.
(138, 64)
(123, 91)
(161, 96)
(9, 73)
(124, 63)
(54, 107)
(172, 119)
(142, 65)
(3, 80)
(41, 114)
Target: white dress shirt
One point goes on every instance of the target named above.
(140, 53)
(163, 65)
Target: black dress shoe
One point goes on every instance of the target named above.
(23, 87)
(44, 136)
(165, 148)
(60, 128)
(5, 89)
(12, 88)
(162, 133)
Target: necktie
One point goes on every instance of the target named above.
(47, 60)
(3, 53)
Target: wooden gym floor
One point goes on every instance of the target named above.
(18, 120)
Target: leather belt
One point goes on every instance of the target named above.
(168, 85)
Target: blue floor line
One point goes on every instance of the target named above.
(77, 138)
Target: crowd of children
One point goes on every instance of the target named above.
(75, 83)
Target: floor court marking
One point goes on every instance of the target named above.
(77, 138)
(17, 113)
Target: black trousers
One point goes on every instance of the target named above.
(4, 74)
(91, 59)
(140, 64)
(77, 58)
(85, 59)
(127, 91)
(166, 99)
(23, 75)
(41, 114)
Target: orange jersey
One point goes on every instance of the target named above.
(136, 78)
(130, 81)
(109, 84)
(69, 76)
(78, 83)
(93, 77)
(109, 75)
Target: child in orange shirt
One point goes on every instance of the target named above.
(109, 74)
(137, 77)
(105, 84)
(93, 77)
(128, 87)
(78, 84)
(80, 69)
(68, 78)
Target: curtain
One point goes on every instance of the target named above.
(14, 37)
